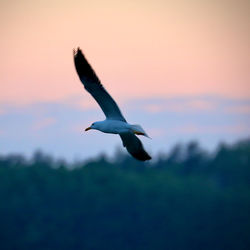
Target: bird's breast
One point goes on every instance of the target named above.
(115, 127)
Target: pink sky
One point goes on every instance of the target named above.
(138, 48)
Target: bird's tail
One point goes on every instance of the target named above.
(138, 130)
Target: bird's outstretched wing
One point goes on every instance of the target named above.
(95, 88)
(134, 146)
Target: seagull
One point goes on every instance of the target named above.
(115, 122)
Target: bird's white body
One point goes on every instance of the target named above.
(112, 126)
(117, 127)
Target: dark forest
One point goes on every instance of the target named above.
(186, 199)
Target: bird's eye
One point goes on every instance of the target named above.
(93, 124)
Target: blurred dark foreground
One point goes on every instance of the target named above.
(188, 199)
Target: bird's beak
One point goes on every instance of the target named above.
(87, 128)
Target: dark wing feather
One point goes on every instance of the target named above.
(95, 88)
(134, 146)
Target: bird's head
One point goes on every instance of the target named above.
(94, 125)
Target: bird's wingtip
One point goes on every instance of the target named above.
(76, 51)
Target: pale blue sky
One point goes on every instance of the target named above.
(58, 128)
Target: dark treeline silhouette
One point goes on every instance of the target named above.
(186, 199)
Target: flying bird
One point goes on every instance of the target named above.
(115, 123)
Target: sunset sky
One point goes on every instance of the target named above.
(178, 68)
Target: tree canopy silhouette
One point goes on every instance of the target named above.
(187, 199)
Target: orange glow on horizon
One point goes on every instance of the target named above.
(140, 49)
